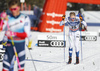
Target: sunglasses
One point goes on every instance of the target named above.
(14, 9)
(72, 18)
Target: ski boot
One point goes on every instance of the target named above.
(70, 60)
(77, 60)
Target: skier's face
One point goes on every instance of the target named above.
(72, 17)
(15, 10)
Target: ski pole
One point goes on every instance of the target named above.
(64, 43)
(32, 59)
(63, 18)
(81, 41)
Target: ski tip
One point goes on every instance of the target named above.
(76, 63)
(68, 63)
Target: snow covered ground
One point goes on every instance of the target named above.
(52, 59)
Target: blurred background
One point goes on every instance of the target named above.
(40, 3)
(34, 8)
(45, 16)
(86, 7)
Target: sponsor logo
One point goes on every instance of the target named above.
(89, 38)
(57, 43)
(51, 43)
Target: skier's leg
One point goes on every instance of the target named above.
(77, 46)
(20, 47)
(70, 47)
(8, 56)
(70, 44)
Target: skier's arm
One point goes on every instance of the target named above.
(27, 30)
(85, 24)
(82, 21)
(63, 22)
(27, 26)
(21, 35)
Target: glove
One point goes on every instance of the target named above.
(3, 15)
(10, 33)
(29, 45)
(1, 24)
(81, 18)
(0, 28)
(63, 17)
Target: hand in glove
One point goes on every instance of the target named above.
(10, 33)
(63, 17)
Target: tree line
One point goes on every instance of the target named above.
(4, 3)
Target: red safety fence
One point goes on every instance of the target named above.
(52, 15)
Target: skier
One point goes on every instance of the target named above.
(19, 25)
(73, 23)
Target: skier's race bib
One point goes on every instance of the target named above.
(74, 28)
